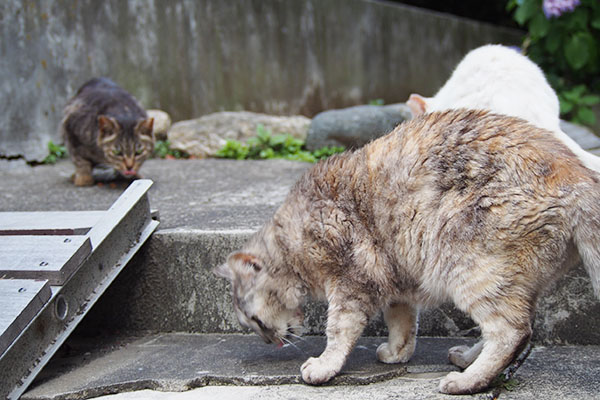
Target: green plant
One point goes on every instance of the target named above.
(267, 146)
(162, 149)
(55, 153)
(564, 39)
(376, 102)
(577, 102)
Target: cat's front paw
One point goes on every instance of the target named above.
(83, 180)
(315, 371)
(461, 383)
(386, 354)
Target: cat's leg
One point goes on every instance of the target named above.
(83, 172)
(346, 319)
(463, 356)
(401, 320)
(503, 340)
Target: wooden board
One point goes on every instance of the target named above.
(48, 222)
(20, 301)
(54, 258)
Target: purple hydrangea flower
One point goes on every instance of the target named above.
(555, 8)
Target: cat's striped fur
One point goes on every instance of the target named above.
(105, 125)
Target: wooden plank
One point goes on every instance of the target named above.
(54, 258)
(48, 222)
(20, 302)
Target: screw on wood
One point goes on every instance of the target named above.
(44, 264)
(22, 290)
(67, 240)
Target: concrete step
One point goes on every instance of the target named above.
(209, 208)
(209, 366)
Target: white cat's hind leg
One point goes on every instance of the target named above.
(463, 356)
(401, 320)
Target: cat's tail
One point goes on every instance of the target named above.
(586, 235)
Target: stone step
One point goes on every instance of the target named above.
(208, 208)
(207, 366)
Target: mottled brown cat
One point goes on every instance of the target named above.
(476, 208)
(105, 125)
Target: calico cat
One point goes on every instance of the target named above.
(499, 79)
(477, 208)
(104, 124)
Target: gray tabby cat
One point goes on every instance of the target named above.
(480, 209)
(104, 125)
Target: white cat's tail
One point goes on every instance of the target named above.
(586, 235)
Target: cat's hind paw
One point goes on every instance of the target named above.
(387, 355)
(456, 355)
(315, 371)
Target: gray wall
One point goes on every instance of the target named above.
(192, 57)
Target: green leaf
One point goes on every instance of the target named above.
(576, 51)
(525, 11)
(277, 140)
(595, 22)
(263, 133)
(577, 20)
(553, 41)
(565, 106)
(589, 100)
(511, 5)
(539, 26)
(585, 115)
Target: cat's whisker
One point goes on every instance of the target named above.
(287, 341)
(297, 337)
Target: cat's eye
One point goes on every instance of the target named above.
(139, 149)
(259, 323)
(117, 152)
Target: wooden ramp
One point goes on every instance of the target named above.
(53, 268)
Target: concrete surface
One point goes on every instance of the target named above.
(209, 208)
(190, 57)
(185, 366)
(190, 194)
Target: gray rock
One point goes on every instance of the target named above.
(354, 126)
(204, 136)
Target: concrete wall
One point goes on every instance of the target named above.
(169, 286)
(192, 57)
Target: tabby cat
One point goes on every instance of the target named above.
(480, 209)
(104, 125)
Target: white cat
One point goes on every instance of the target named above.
(498, 78)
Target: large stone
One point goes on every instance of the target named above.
(204, 136)
(162, 123)
(354, 126)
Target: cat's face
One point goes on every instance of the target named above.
(125, 147)
(261, 302)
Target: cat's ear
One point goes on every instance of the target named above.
(248, 260)
(107, 128)
(223, 271)
(417, 104)
(145, 127)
